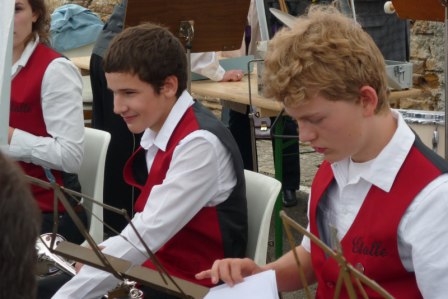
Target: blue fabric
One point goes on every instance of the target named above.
(74, 26)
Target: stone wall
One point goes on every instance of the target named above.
(428, 58)
(101, 7)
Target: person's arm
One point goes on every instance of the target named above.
(232, 271)
(63, 115)
(193, 175)
(423, 237)
(207, 65)
(287, 273)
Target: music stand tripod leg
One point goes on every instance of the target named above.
(278, 165)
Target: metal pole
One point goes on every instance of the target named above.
(261, 13)
(278, 164)
(186, 30)
(444, 2)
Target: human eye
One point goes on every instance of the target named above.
(18, 8)
(315, 120)
(129, 92)
(125, 92)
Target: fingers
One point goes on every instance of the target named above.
(229, 271)
(238, 75)
(204, 274)
(232, 75)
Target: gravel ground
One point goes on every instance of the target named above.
(309, 162)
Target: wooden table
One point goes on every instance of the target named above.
(83, 63)
(239, 91)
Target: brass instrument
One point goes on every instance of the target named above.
(49, 263)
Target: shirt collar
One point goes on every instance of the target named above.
(161, 138)
(27, 52)
(385, 166)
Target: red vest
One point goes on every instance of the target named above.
(26, 114)
(371, 242)
(200, 242)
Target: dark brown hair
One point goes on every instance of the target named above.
(20, 227)
(151, 52)
(42, 24)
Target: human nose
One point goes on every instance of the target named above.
(119, 105)
(306, 132)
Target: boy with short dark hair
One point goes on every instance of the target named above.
(192, 206)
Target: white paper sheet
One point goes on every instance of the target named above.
(261, 286)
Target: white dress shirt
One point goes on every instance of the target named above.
(207, 65)
(62, 108)
(201, 174)
(423, 229)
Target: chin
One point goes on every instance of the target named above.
(136, 130)
(332, 158)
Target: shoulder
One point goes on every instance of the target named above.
(64, 67)
(433, 199)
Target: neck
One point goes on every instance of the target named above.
(18, 50)
(380, 130)
(17, 53)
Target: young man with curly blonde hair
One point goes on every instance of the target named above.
(391, 222)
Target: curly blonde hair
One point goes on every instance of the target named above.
(324, 53)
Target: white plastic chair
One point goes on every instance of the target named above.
(91, 177)
(261, 193)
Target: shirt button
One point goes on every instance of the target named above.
(359, 267)
(330, 284)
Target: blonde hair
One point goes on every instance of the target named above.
(324, 53)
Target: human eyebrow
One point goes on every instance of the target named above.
(311, 118)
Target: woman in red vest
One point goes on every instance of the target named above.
(380, 193)
(46, 133)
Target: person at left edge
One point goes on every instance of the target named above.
(192, 206)
(46, 126)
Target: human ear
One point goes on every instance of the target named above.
(170, 86)
(35, 17)
(368, 100)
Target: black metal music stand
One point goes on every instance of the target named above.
(120, 268)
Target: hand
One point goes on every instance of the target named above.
(231, 271)
(232, 76)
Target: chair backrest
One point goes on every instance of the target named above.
(261, 192)
(91, 177)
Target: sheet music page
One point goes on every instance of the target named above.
(261, 286)
(6, 19)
